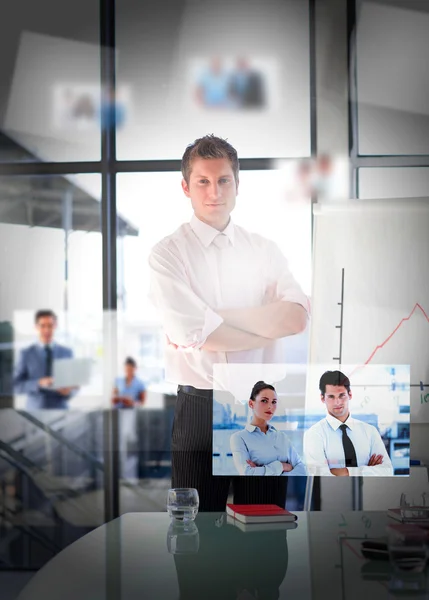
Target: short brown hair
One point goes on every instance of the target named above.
(335, 378)
(209, 146)
(45, 312)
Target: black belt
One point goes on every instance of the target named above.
(188, 389)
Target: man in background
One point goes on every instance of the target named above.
(247, 86)
(339, 444)
(33, 373)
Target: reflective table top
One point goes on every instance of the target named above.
(146, 556)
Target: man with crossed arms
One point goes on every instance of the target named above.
(339, 444)
(226, 296)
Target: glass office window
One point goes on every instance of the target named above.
(51, 258)
(192, 67)
(392, 46)
(51, 461)
(50, 74)
(394, 182)
(156, 206)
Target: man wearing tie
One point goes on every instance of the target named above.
(225, 296)
(33, 373)
(339, 444)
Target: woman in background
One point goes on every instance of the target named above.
(259, 449)
(129, 390)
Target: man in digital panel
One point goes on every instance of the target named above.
(339, 444)
(226, 296)
(34, 370)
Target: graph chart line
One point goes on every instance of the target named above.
(416, 307)
(402, 321)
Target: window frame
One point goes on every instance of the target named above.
(108, 167)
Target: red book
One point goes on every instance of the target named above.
(259, 513)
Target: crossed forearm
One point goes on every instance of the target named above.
(230, 339)
(276, 320)
(250, 328)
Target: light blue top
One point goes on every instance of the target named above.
(133, 390)
(267, 450)
(215, 88)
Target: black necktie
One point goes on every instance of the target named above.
(48, 365)
(349, 449)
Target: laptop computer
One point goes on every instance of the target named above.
(71, 372)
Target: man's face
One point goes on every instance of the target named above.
(212, 190)
(336, 399)
(45, 328)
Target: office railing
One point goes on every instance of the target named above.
(93, 461)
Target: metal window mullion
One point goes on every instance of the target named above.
(109, 232)
(353, 100)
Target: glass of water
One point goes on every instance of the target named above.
(182, 504)
(407, 548)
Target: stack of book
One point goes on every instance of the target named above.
(260, 517)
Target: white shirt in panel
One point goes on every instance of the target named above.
(198, 270)
(323, 448)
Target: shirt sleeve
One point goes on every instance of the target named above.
(377, 447)
(296, 461)
(314, 455)
(22, 384)
(288, 288)
(240, 455)
(187, 320)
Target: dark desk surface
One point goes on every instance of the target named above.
(129, 559)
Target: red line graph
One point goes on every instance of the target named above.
(401, 322)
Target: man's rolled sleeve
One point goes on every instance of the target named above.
(188, 320)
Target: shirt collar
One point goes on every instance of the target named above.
(206, 233)
(43, 346)
(251, 428)
(335, 423)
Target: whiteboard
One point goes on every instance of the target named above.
(383, 247)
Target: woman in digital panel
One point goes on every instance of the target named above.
(259, 449)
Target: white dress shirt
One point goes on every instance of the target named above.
(196, 271)
(323, 448)
(266, 450)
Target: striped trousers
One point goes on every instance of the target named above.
(192, 454)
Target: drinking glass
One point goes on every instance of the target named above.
(407, 548)
(182, 504)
